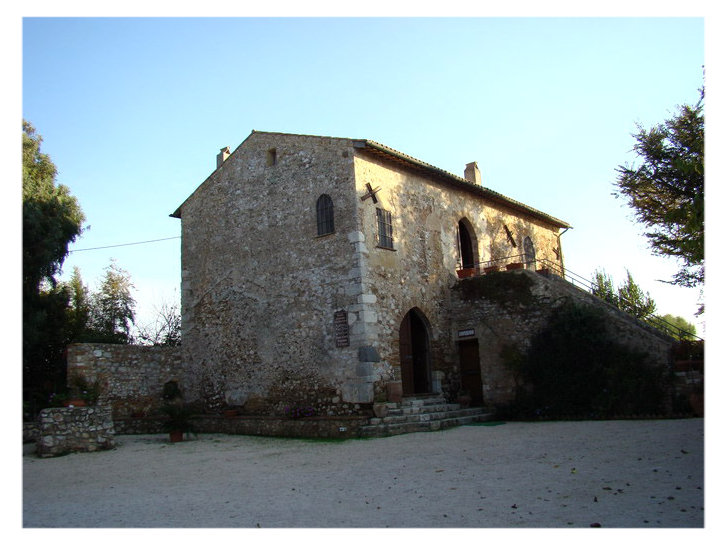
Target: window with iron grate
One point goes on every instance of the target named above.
(384, 229)
(324, 215)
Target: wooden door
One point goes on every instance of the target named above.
(405, 356)
(470, 377)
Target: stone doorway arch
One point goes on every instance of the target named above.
(414, 353)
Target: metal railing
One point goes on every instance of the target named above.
(542, 265)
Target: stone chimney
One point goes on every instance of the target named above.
(472, 173)
(223, 155)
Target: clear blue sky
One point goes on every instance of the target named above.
(133, 112)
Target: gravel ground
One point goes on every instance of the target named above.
(551, 474)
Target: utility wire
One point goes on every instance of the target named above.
(124, 244)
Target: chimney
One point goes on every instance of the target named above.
(223, 155)
(472, 173)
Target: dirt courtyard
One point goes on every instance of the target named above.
(581, 474)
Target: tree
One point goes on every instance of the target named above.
(666, 191)
(165, 330)
(52, 219)
(79, 310)
(681, 328)
(603, 287)
(633, 300)
(628, 297)
(112, 308)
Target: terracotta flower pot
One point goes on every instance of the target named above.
(176, 436)
(511, 267)
(76, 403)
(465, 273)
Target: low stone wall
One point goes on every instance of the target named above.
(131, 377)
(311, 427)
(31, 432)
(65, 430)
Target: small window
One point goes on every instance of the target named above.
(270, 157)
(324, 215)
(384, 228)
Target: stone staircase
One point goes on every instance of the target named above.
(421, 414)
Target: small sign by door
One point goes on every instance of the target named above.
(466, 333)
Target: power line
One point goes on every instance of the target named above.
(124, 244)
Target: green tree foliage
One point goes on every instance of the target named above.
(52, 219)
(576, 368)
(628, 297)
(112, 308)
(666, 191)
(679, 328)
(79, 310)
(603, 287)
(633, 300)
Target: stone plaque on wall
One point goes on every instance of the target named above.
(341, 329)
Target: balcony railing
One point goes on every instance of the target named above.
(547, 267)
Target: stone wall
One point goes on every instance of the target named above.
(520, 309)
(419, 271)
(260, 287)
(65, 430)
(131, 377)
(263, 294)
(309, 427)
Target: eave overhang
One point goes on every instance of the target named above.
(390, 154)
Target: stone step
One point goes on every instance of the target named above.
(411, 410)
(391, 429)
(423, 400)
(429, 416)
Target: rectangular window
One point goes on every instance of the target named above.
(384, 228)
(270, 157)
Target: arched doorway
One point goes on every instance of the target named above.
(467, 244)
(414, 353)
(529, 253)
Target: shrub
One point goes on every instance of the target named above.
(576, 368)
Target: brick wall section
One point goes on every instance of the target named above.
(131, 377)
(497, 324)
(65, 430)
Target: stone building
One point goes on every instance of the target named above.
(317, 272)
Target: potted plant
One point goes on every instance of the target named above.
(178, 421)
(515, 265)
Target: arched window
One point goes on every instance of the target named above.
(467, 244)
(324, 215)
